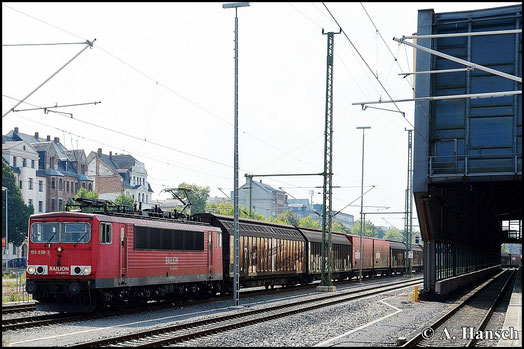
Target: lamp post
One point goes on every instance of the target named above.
(236, 281)
(363, 128)
(6, 224)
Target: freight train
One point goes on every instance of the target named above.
(512, 260)
(78, 261)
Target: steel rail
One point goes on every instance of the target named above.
(209, 326)
(487, 317)
(419, 337)
(18, 308)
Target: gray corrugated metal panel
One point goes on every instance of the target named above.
(397, 245)
(252, 227)
(315, 235)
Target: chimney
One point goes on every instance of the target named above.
(57, 139)
(16, 129)
(48, 137)
(110, 154)
(36, 135)
(99, 151)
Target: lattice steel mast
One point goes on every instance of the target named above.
(328, 166)
(408, 224)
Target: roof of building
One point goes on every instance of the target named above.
(75, 155)
(124, 161)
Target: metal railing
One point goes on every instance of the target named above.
(475, 165)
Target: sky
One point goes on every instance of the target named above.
(164, 74)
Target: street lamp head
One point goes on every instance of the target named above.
(235, 4)
(363, 127)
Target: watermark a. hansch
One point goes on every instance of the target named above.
(469, 333)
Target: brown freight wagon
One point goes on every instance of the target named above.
(340, 256)
(269, 254)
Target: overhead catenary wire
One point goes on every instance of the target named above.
(371, 70)
(165, 87)
(124, 63)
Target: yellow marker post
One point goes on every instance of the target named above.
(416, 293)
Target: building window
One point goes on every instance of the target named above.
(53, 183)
(90, 187)
(76, 187)
(60, 183)
(52, 204)
(23, 162)
(30, 183)
(60, 205)
(40, 186)
(67, 186)
(20, 182)
(83, 185)
(133, 196)
(40, 206)
(14, 161)
(32, 163)
(83, 167)
(52, 162)
(30, 202)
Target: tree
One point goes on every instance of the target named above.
(309, 222)
(339, 227)
(287, 217)
(369, 229)
(18, 212)
(226, 209)
(83, 193)
(125, 200)
(197, 195)
(394, 234)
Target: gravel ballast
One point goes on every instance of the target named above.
(306, 329)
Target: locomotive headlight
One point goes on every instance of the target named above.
(31, 269)
(60, 249)
(87, 270)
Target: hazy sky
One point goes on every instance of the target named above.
(164, 73)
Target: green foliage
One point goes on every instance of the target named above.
(226, 209)
(309, 222)
(369, 229)
(394, 234)
(17, 210)
(287, 217)
(125, 200)
(198, 196)
(339, 227)
(83, 193)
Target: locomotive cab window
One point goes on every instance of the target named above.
(105, 233)
(45, 232)
(76, 233)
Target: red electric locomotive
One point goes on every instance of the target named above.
(78, 261)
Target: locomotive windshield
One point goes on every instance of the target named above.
(79, 232)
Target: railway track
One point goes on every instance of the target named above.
(18, 308)
(187, 331)
(459, 325)
(24, 322)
